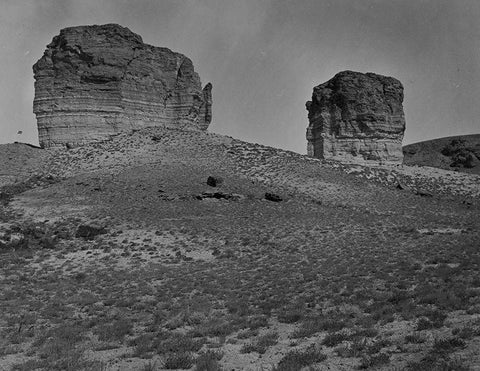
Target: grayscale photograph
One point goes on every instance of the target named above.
(239, 185)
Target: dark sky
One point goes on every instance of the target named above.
(263, 57)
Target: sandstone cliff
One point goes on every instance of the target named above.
(94, 81)
(357, 117)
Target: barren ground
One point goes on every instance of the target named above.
(357, 267)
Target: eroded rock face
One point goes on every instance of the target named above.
(94, 81)
(357, 117)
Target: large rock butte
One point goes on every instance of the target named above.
(95, 81)
(357, 117)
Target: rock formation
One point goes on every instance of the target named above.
(357, 117)
(94, 81)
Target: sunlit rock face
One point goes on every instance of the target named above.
(95, 81)
(356, 117)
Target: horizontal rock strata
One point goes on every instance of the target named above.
(95, 81)
(357, 117)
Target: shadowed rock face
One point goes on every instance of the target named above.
(357, 117)
(94, 81)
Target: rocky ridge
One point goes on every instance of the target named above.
(290, 172)
(357, 117)
(94, 81)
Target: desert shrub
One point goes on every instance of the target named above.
(237, 306)
(369, 332)
(297, 359)
(464, 157)
(466, 332)
(473, 309)
(431, 319)
(116, 330)
(58, 347)
(415, 338)
(354, 349)
(398, 296)
(150, 366)
(255, 322)
(333, 339)
(267, 306)
(424, 323)
(290, 315)
(376, 360)
(30, 365)
(178, 360)
(383, 312)
(68, 364)
(451, 296)
(179, 343)
(249, 348)
(30, 235)
(448, 345)
(433, 362)
(460, 154)
(261, 344)
(248, 333)
(208, 361)
(213, 327)
(315, 325)
(453, 147)
(144, 344)
(88, 232)
(68, 334)
(377, 345)
(8, 349)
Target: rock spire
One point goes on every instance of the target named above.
(357, 117)
(95, 81)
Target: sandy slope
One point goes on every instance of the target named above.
(345, 243)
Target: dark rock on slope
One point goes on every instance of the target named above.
(94, 81)
(357, 117)
(214, 181)
(461, 153)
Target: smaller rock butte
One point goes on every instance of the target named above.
(95, 81)
(356, 117)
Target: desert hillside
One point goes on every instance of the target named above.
(458, 153)
(119, 256)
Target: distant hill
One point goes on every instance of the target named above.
(460, 153)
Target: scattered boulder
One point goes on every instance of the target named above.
(169, 197)
(95, 81)
(219, 196)
(89, 232)
(214, 181)
(273, 197)
(423, 193)
(400, 185)
(467, 203)
(357, 117)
